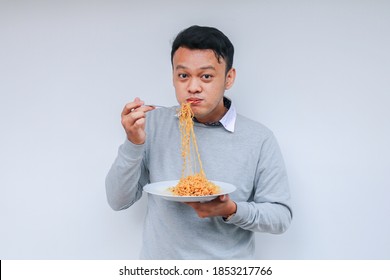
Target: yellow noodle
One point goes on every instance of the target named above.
(191, 183)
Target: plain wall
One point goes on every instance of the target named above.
(315, 72)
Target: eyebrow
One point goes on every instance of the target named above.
(208, 67)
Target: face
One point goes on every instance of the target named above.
(201, 80)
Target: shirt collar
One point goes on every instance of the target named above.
(228, 121)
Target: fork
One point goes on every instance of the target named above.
(155, 106)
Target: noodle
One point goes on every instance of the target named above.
(191, 183)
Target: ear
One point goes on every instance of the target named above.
(230, 77)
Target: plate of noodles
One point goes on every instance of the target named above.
(165, 189)
(193, 185)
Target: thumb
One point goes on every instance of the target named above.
(224, 197)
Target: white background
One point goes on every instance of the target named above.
(316, 72)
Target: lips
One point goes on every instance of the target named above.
(194, 101)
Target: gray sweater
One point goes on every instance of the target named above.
(248, 158)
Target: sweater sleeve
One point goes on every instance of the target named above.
(126, 176)
(270, 210)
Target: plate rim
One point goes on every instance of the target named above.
(172, 197)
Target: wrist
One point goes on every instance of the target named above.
(231, 213)
(136, 141)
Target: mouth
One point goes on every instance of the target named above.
(193, 101)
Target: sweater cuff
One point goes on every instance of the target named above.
(131, 151)
(241, 213)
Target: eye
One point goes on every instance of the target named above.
(207, 77)
(183, 76)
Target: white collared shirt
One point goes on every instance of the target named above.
(229, 119)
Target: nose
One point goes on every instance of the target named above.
(194, 86)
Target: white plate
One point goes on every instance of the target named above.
(162, 189)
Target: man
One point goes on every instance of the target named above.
(233, 149)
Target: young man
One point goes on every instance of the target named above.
(233, 149)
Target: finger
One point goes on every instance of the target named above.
(224, 197)
(129, 107)
(132, 105)
(142, 108)
(140, 123)
(147, 108)
(135, 114)
(132, 118)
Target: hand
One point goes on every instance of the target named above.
(221, 206)
(133, 120)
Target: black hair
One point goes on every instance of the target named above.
(205, 38)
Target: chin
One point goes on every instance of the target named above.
(197, 111)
